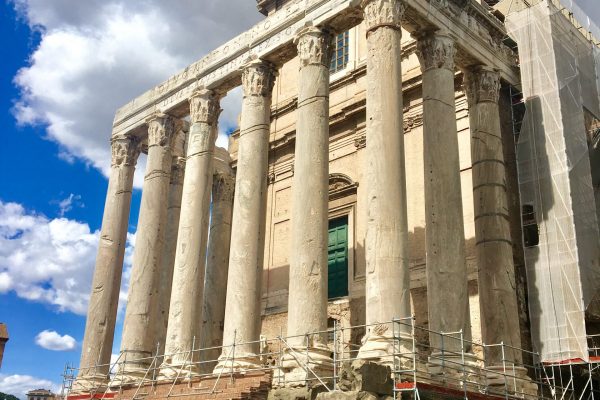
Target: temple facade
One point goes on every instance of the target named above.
(369, 206)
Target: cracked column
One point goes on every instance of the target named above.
(242, 309)
(104, 299)
(139, 340)
(185, 310)
(496, 279)
(170, 240)
(387, 285)
(447, 294)
(217, 264)
(307, 303)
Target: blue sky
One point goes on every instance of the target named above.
(66, 66)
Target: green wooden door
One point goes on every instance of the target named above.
(338, 258)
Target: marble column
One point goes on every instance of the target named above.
(447, 283)
(170, 240)
(497, 288)
(217, 263)
(139, 342)
(102, 309)
(185, 311)
(387, 284)
(307, 302)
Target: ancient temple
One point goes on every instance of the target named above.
(413, 189)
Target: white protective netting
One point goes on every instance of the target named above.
(560, 71)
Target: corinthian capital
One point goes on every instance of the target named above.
(223, 186)
(314, 46)
(380, 13)
(161, 130)
(481, 84)
(125, 151)
(204, 107)
(435, 50)
(258, 78)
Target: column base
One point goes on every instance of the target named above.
(302, 367)
(511, 380)
(177, 370)
(91, 383)
(132, 373)
(239, 363)
(449, 368)
(395, 352)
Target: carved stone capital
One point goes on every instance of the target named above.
(435, 50)
(223, 186)
(258, 78)
(314, 46)
(177, 170)
(161, 130)
(125, 151)
(380, 13)
(481, 84)
(204, 107)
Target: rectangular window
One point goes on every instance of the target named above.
(340, 53)
(337, 258)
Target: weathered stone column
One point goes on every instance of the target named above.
(170, 241)
(217, 263)
(447, 284)
(307, 303)
(104, 299)
(242, 309)
(387, 285)
(497, 288)
(139, 342)
(185, 311)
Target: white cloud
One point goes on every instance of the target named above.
(67, 204)
(52, 340)
(49, 260)
(95, 56)
(19, 385)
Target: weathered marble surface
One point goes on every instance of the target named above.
(242, 310)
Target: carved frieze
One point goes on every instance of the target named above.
(314, 46)
(382, 13)
(435, 50)
(360, 140)
(258, 78)
(204, 107)
(412, 122)
(223, 187)
(125, 151)
(161, 130)
(481, 84)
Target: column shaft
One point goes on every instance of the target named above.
(497, 289)
(102, 309)
(185, 311)
(217, 264)
(139, 333)
(387, 285)
(447, 290)
(170, 246)
(242, 310)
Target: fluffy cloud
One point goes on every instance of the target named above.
(52, 340)
(49, 260)
(18, 385)
(96, 55)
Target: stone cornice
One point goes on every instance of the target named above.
(271, 39)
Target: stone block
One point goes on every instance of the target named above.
(366, 376)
